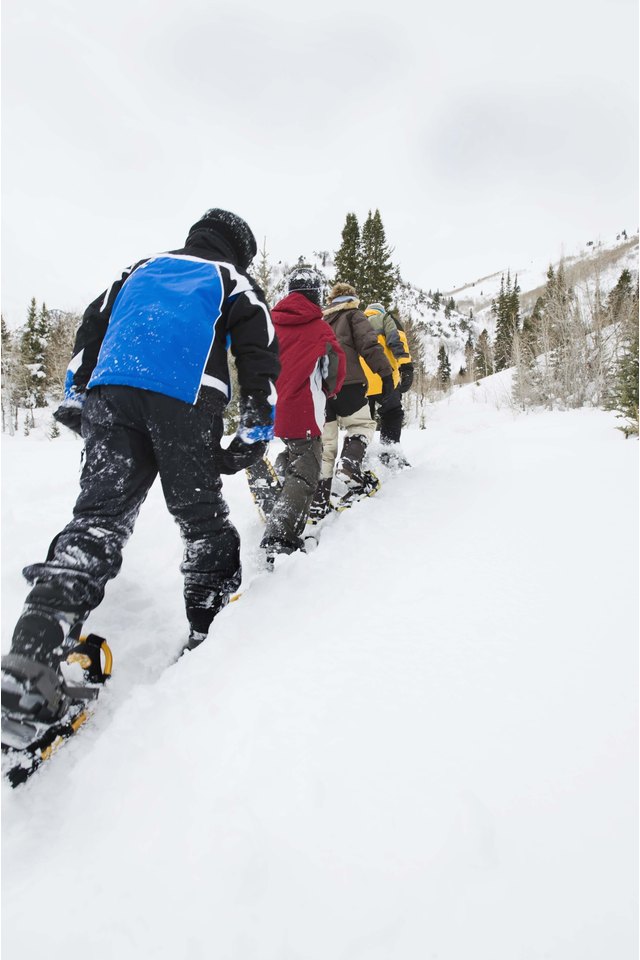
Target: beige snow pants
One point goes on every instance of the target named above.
(358, 424)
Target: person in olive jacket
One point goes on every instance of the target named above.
(388, 409)
(349, 410)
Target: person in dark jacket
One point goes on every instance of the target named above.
(146, 388)
(349, 410)
(313, 368)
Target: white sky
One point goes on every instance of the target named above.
(487, 134)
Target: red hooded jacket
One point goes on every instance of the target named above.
(312, 367)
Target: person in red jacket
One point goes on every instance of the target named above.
(313, 368)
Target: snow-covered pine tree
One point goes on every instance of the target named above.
(622, 308)
(506, 310)
(379, 277)
(348, 260)
(444, 367)
(33, 349)
(264, 273)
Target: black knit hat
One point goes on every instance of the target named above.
(308, 281)
(233, 229)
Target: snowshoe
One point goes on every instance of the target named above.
(43, 707)
(394, 459)
(345, 495)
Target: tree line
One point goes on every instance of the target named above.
(34, 364)
(566, 351)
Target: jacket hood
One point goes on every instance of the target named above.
(215, 245)
(344, 304)
(295, 308)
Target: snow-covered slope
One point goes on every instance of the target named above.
(417, 741)
(598, 264)
(605, 258)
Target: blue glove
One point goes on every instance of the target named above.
(256, 418)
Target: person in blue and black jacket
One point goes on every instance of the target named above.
(146, 388)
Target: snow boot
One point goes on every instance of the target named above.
(393, 457)
(321, 504)
(32, 686)
(349, 467)
(200, 620)
(278, 548)
(40, 634)
(31, 692)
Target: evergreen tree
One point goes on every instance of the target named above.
(378, 277)
(348, 259)
(33, 349)
(449, 307)
(625, 389)
(6, 337)
(10, 382)
(506, 310)
(621, 294)
(531, 325)
(483, 357)
(444, 367)
(623, 311)
(264, 273)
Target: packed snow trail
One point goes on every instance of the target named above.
(417, 741)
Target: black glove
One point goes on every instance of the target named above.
(406, 376)
(387, 386)
(239, 455)
(69, 414)
(255, 429)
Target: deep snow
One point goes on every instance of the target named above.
(419, 741)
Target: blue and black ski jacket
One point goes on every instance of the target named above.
(167, 323)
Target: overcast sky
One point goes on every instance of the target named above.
(488, 134)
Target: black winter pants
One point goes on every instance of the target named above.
(130, 437)
(299, 464)
(391, 415)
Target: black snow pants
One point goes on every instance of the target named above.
(299, 465)
(130, 437)
(391, 415)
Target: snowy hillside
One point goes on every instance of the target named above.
(598, 265)
(418, 741)
(603, 258)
